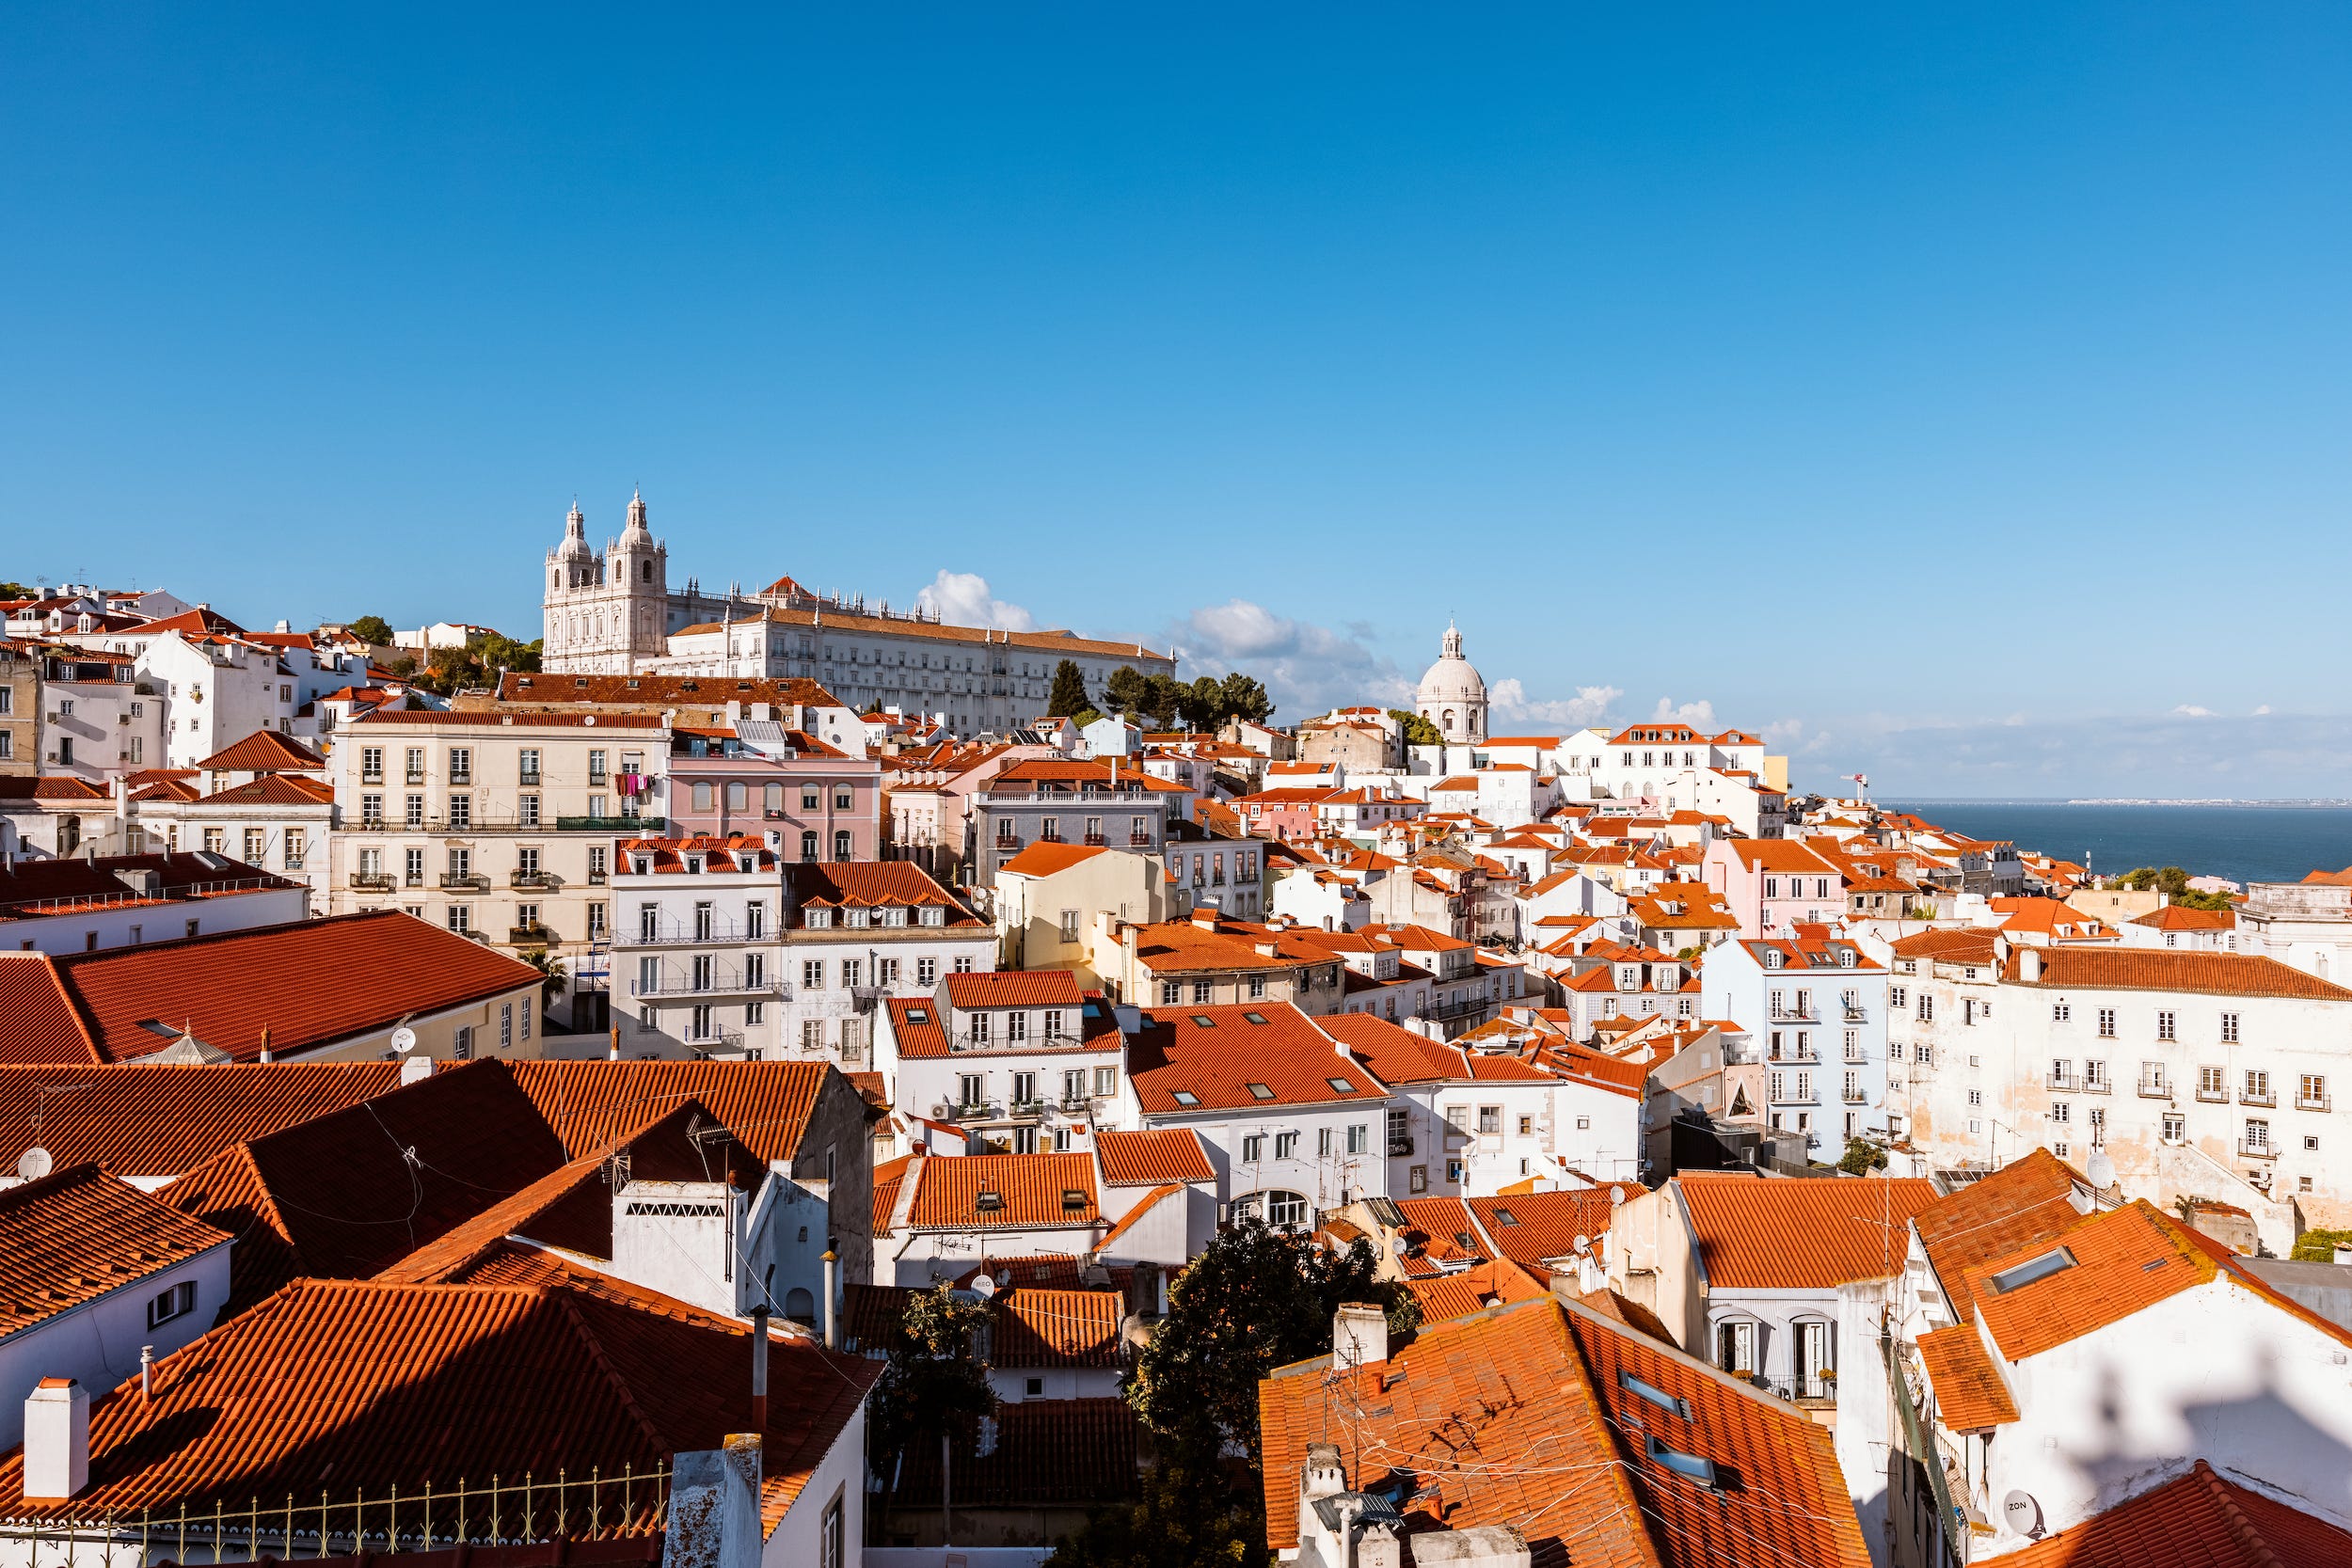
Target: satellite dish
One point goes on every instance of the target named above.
(983, 1286)
(34, 1163)
(2022, 1514)
(1582, 1242)
(404, 1039)
(2100, 1168)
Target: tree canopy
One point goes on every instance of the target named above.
(2172, 882)
(373, 628)
(1418, 730)
(1069, 694)
(1258, 1298)
(448, 670)
(1204, 704)
(2319, 1247)
(932, 1376)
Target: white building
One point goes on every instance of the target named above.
(1022, 1058)
(614, 613)
(1453, 694)
(1814, 1010)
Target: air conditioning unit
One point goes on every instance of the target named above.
(942, 1112)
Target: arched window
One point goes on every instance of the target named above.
(1285, 1208)
(702, 796)
(648, 572)
(800, 1306)
(772, 797)
(808, 847)
(1448, 724)
(1474, 722)
(841, 850)
(739, 796)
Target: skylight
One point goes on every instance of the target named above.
(1073, 1198)
(1691, 1465)
(1203, 1021)
(1504, 1216)
(987, 1202)
(1255, 1017)
(2053, 1261)
(1186, 1096)
(1342, 1085)
(918, 1015)
(1654, 1394)
(1259, 1091)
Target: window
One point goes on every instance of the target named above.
(1927, 1008)
(506, 1025)
(1070, 925)
(812, 974)
(2312, 1093)
(1896, 997)
(412, 868)
(2061, 1112)
(808, 847)
(1285, 1208)
(461, 811)
(2257, 1136)
(1490, 1120)
(972, 1088)
(1253, 1148)
(1025, 1089)
(2164, 1025)
(1285, 1145)
(2053, 1261)
(841, 842)
(2106, 1023)
(2175, 1127)
(460, 918)
(177, 1302)
(294, 849)
(461, 1043)
(1257, 988)
(2098, 1126)
(461, 764)
(1105, 1081)
(2258, 1086)
(927, 972)
(980, 1030)
(1734, 1347)
(1359, 1137)
(2229, 1029)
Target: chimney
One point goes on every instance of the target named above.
(1360, 1335)
(832, 1273)
(2029, 964)
(2343, 1255)
(56, 1440)
(415, 1070)
(714, 1506)
(1323, 1475)
(760, 1368)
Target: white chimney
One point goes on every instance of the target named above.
(56, 1440)
(2029, 964)
(1360, 1335)
(2343, 1255)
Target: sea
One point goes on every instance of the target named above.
(2241, 843)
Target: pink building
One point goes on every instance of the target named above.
(810, 801)
(1291, 814)
(1770, 884)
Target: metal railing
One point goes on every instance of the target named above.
(730, 983)
(2268, 1098)
(2310, 1101)
(547, 879)
(466, 881)
(2216, 1095)
(632, 1502)
(382, 881)
(2154, 1088)
(2064, 1081)
(2251, 1150)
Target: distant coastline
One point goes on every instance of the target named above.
(2240, 841)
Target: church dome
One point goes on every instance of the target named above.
(1453, 695)
(575, 544)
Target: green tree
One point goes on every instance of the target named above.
(1256, 1299)
(932, 1378)
(2172, 882)
(1418, 731)
(1084, 717)
(1163, 695)
(1862, 1157)
(1245, 698)
(1201, 704)
(373, 628)
(18, 591)
(1125, 691)
(1185, 1516)
(2319, 1247)
(1069, 691)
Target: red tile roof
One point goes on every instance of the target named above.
(2125, 1260)
(1214, 1055)
(2166, 969)
(1970, 945)
(1047, 1271)
(1533, 1227)
(166, 1120)
(78, 1234)
(1756, 1233)
(1484, 1285)
(264, 752)
(1014, 987)
(480, 1380)
(1970, 1395)
(888, 1177)
(871, 884)
(2180, 917)
(1397, 1055)
(1517, 1416)
(312, 985)
(1149, 1159)
(1048, 1453)
(1041, 1328)
(665, 691)
(2200, 1519)
(2026, 1202)
(1031, 1187)
(1044, 858)
(590, 1104)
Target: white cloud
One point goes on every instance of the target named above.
(2190, 710)
(1699, 715)
(1307, 669)
(1590, 704)
(963, 599)
(2262, 711)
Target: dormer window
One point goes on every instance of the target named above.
(1772, 958)
(818, 919)
(2056, 1261)
(693, 866)
(1845, 957)
(934, 915)
(987, 1202)
(1071, 1198)
(645, 865)
(895, 915)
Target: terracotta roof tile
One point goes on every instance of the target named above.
(1045, 857)
(1533, 1228)
(2124, 1260)
(2024, 1202)
(148, 1121)
(1755, 1233)
(487, 1379)
(264, 752)
(78, 1234)
(1014, 987)
(1216, 1054)
(2165, 969)
(916, 1024)
(1970, 1395)
(590, 1104)
(2200, 1519)
(1047, 1328)
(1033, 1191)
(311, 984)
(872, 884)
(1484, 1285)
(1048, 1453)
(1149, 1159)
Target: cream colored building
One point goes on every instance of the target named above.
(1049, 894)
(499, 826)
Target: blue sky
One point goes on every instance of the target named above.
(1957, 395)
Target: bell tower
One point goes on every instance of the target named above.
(638, 568)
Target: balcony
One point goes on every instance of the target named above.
(721, 983)
(375, 778)
(1399, 1147)
(2311, 1102)
(2098, 1083)
(1807, 1386)
(461, 780)
(653, 827)
(978, 1111)
(1026, 1108)
(1855, 1097)
(1854, 1015)
(373, 881)
(544, 880)
(2248, 1149)
(1792, 1054)
(1140, 841)
(2154, 1088)
(533, 935)
(2215, 1095)
(2266, 1097)
(596, 879)
(679, 936)
(1796, 1015)
(1094, 841)
(465, 881)
(2060, 1083)
(414, 776)
(1857, 1057)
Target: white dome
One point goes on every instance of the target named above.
(1452, 696)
